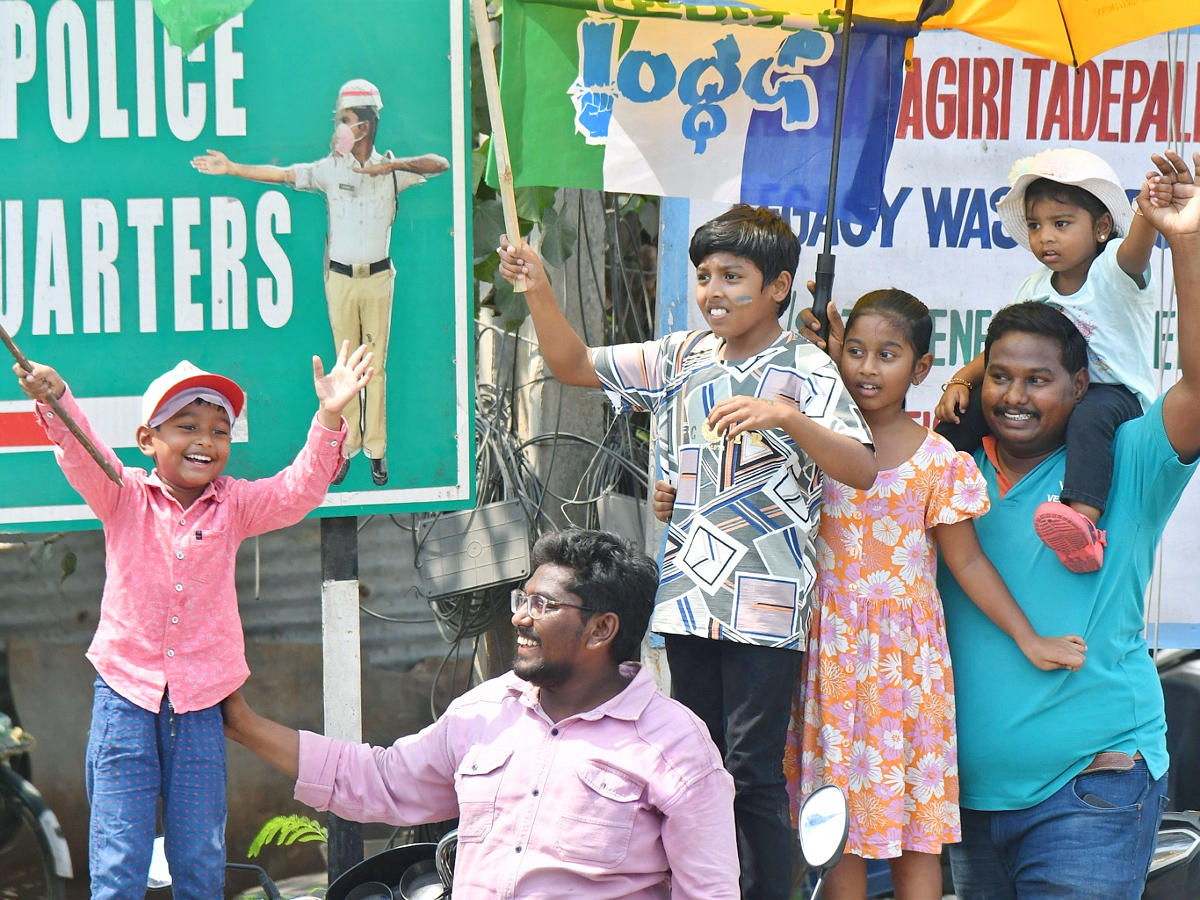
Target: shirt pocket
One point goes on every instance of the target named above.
(206, 549)
(477, 783)
(601, 809)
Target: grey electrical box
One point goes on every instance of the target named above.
(475, 548)
(623, 515)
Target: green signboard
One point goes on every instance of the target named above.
(126, 245)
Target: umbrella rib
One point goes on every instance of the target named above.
(1067, 31)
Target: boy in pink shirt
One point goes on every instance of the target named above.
(169, 648)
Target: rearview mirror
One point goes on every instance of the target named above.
(824, 826)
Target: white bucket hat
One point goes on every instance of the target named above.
(1066, 165)
(171, 391)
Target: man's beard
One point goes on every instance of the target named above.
(543, 674)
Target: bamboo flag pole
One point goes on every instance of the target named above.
(62, 413)
(491, 86)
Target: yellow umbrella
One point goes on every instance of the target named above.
(1068, 31)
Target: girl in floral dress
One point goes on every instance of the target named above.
(878, 697)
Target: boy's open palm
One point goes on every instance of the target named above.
(349, 375)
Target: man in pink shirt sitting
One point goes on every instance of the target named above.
(571, 776)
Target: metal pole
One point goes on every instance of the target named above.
(340, 655)
(825, 259)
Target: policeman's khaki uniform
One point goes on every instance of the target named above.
(359, 275)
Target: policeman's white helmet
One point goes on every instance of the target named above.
(359, 92)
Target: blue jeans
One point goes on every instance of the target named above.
(134, 757)
(1090, 840)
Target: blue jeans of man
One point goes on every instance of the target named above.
(743, 693)
(1090, 840)
(133, 758)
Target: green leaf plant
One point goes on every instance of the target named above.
(287, 830)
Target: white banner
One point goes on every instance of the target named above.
(970, 110)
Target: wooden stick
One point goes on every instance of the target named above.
(491, 86)
(62, 413)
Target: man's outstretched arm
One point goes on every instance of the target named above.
(274, 743)
(1174, 209)
(217, 163)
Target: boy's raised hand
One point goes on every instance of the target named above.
(349, 375)
(519, 260)
(43, 383)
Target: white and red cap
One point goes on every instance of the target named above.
(184, 384)
(358, 92)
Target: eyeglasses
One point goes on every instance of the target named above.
(539, 603)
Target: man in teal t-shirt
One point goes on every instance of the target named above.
(1063, 774)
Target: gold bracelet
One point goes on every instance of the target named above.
(961, 381)
(1137, 210)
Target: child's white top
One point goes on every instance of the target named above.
(1114, 315)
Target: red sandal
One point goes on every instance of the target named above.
(1078, 543)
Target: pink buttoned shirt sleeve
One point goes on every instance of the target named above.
(698, 835)
(409, 783)
(82, 472)
(288, 496)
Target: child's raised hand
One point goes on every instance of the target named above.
(1049, 653)
(664, 500)
(348, 376)
(1173, 205)
(519, 260)
(43, 383)
(954, 401)
(736, 415)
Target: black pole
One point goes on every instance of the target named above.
(825, 259)
(339, 562)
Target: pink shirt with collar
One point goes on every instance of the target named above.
(169, 614)
(628, 800)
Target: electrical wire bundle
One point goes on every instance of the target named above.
(504, 461)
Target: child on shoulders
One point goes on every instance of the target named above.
(1068, 208)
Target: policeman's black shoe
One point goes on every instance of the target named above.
(379, 471)
(340, 475)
